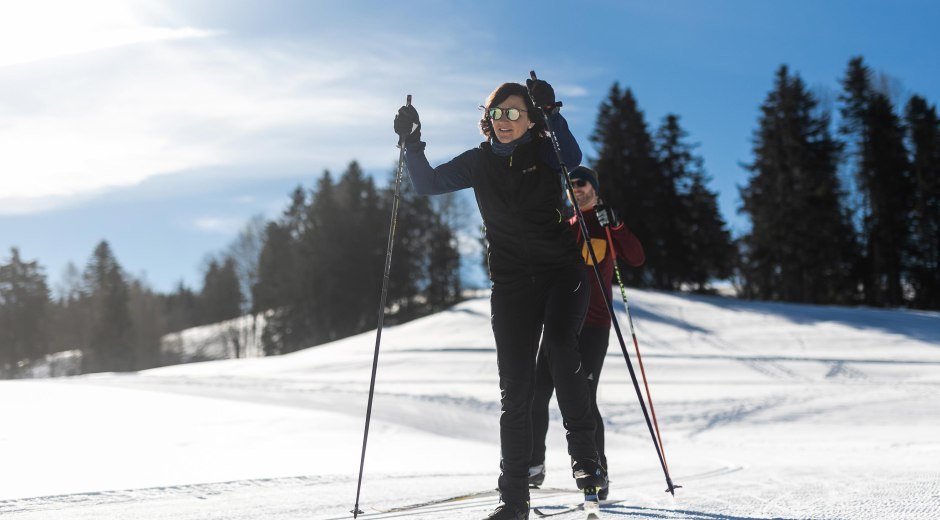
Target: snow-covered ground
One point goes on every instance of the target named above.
(767, 411)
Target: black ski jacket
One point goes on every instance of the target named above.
(521, 199)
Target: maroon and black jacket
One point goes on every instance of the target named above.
(626, 246)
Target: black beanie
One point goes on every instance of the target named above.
(585, 173)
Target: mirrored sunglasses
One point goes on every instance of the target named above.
(512, 114)
(580, 183)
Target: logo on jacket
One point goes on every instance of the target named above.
(600, 250)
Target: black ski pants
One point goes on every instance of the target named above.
(555, 301)
(592, 344)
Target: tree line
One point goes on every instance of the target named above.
(320, 266)
(315, 273)
(844, 212)
(843, 204)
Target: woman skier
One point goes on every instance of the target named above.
(540, 288)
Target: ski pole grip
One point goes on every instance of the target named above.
(408, 100)
(532, 75)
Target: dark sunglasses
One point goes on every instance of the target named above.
(580, 183)
(512, 114)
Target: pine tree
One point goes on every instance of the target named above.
(110, 346)
(699, 245)
(320, 269)
(146, 310)
(359, 241)
(221, 296)
(799, 247)
(632, 182)
(277, 284)
(181, 308)
(443, 284)
(883, 177)
(71, 328)
(923, 129)
(24, 312)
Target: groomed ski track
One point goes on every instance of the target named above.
(768, 411)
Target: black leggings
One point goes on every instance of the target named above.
(592, 344)
(556, 302)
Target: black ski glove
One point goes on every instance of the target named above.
(407, 124)
(606, 216)
(544, 95)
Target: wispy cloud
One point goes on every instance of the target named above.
(223, 225)
(126, 99)
(42, 29)
(184, 99)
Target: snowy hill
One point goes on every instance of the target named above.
(767, 411)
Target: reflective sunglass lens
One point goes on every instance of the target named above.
(496, 113)
(512, 114)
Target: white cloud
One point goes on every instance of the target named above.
(190, 99)
(223, 225)
(42, 29)
(568, 91)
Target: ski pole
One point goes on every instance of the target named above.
(670, 487)
(378, 333)
(636, 345)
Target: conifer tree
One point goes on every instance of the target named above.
(923, 129)
(358, 241)
(443, 284)
(180, 308)
(320, 269)
(883, 178)
(632, 182)
(72, 312)
(150, 324)
(277, 284)
(24, 312)
(699, 245)
(799, 247)
(111, 335)
(221, 296)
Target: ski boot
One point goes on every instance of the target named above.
(588, 473)
(510, 511)
(603, 492)
(536, 476)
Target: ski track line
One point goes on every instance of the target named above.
(202, 490)
(134, 499)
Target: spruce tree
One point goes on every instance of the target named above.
(180, 308)
(320, 268)
(358, 239)
(146, 309)
(923, 130)
(698, 244)
(277, 284)
(632, 182)
(24, 312)
(883, 178)
(110, 345)
(443, 284)
(799, 247)
(221, 297)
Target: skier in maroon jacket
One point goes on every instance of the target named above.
(595, 333)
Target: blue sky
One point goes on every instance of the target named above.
(163, 126)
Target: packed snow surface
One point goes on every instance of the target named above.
(766, 410)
